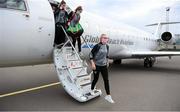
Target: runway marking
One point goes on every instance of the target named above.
(28, 90)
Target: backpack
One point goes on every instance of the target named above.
(75, 29)
(96, 48)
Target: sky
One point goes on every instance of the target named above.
(137, 13)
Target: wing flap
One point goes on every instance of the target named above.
(140, 54)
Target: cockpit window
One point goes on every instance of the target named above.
(13, 4)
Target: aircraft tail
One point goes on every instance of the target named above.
(159, 26)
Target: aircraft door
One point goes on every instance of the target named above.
(15, 18)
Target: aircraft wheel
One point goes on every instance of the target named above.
(148, 62)
(117, 61)
(151, 61)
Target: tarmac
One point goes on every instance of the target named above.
(133, 88)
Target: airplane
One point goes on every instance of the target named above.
(27, 31)
(27, 35)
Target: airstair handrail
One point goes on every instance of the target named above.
(74, 48)
(71, 44)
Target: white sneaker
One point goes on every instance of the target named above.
(109, 98)
(92, 92)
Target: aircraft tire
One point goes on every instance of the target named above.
(117, 61)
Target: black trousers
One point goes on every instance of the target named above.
(79, 42)
(76, 37)
(59, 35)
(104, 73)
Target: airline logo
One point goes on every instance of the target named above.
(92, 40)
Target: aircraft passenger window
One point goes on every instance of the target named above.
(13, 4)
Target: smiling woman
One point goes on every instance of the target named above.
(99, 61)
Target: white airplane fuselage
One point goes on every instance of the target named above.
(27, 37)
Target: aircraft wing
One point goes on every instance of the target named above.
(141, 54)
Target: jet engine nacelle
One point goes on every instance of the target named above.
(167, 37)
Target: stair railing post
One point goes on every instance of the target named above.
(71, 44)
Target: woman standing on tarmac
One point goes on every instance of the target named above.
(99, 63)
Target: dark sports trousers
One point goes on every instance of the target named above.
(76, 37)
(104, 73)
(59, 35)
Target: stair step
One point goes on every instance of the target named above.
(77, 67)
(83, 85)
(83, 80)
(80, 71)
(74, 64)
(71, 57)
(72, 60)
(68, 48)
(77, 74)
(83, 75)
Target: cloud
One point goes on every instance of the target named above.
(134, 12)
(121, 9)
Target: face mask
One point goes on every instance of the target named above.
(78, 12)
(62, 7)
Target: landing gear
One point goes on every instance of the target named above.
(117, 61)
(149, 62)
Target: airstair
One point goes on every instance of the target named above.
(73, 72)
